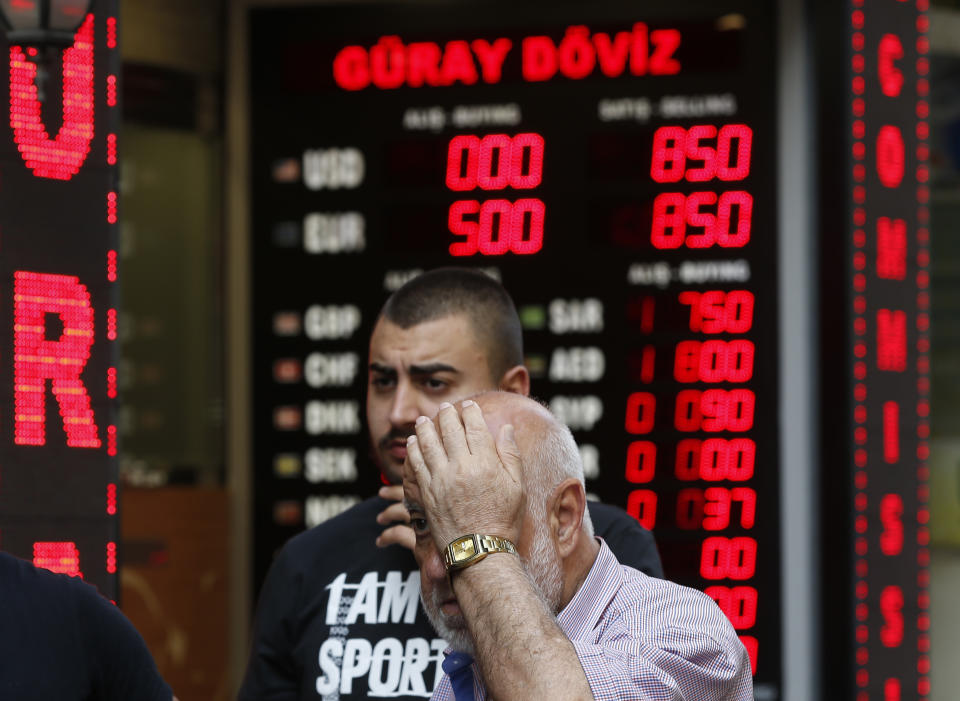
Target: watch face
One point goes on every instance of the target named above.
(463, 549)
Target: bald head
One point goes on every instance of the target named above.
(547, 448)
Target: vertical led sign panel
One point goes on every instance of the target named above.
(879, 444)
(58, 302)
(614, 166)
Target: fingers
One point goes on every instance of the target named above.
(509, 452)
(394, 513)
(432, 455)
(418, 471)
(451, 430)
(391, 492)
(479, 440)
(397, 535)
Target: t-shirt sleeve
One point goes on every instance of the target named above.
(632, 544)
(678, 665)
(120, 664)
(271, 671)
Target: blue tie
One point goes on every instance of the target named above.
(457, 667)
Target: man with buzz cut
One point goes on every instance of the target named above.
(339, 615)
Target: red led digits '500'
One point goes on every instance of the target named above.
(502, 227)
(494, 162)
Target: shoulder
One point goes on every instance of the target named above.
(24, 583)
(633, 544)
(657, 606)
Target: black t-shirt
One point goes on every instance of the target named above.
(61, 641)
(340, 618)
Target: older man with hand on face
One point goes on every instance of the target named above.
(531, 603)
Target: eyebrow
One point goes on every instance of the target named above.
(428, 369)
(412, 506)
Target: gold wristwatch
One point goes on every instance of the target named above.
(469, 549)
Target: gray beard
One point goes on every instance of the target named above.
(542, 568)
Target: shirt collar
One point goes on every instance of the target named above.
(588, 604)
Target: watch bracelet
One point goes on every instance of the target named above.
(484, 545)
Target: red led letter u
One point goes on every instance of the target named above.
(59, 158)
(36, 359)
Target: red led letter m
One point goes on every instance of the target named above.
(37, 359)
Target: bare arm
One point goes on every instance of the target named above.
(465, 483)
(521, 650)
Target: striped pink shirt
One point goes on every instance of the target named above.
(643, 638)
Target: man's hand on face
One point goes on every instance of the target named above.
(400, 533)
(466, 482)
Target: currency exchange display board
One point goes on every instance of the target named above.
(614, 167)
(58, 301)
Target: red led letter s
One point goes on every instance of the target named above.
(37, 359)
(59, 158)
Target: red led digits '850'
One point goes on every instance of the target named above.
(713, 219)
(494, 162)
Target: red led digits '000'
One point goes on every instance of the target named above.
(716, 311)
(715, 459)
(494, 162)
(729, 160)
(713, 361)
(674, 212)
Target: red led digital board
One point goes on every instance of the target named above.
(58, 279)
(615, 166)
(877, 421)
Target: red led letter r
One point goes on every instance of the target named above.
(36, 359)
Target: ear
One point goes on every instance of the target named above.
(566, 514)
(516, 380)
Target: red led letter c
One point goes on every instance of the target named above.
(891, 78)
